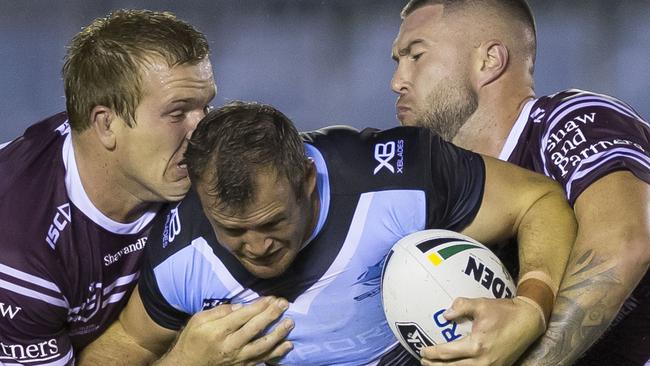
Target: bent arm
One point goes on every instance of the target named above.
(610, 256)
(532, 208)
(224, 335)
(134, 339)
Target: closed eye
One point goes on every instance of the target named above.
(416, 56)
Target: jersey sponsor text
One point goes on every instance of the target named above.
(137, 246)
(34, 352)
(9, 311)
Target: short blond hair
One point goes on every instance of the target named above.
(104, 61)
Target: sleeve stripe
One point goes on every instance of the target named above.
(13, 272)
(555, 118)
(596, 97)
(124, 280)
(92, 302)
(111, 299)
(33, 294)
(605, 156)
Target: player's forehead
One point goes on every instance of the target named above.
(192, 83)
(422, 26)
(273, 199)
(254, 215)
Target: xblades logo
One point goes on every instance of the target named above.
(384, 153)
(172, 227)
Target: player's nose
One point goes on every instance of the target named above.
(257, 245)
(398, 82)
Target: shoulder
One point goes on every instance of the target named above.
(576, 103)
(350, 137)
(372, 159)
(33, 152)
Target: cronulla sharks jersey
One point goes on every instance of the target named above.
(577, 137)
(375, 187)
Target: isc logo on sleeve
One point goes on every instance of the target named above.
(384, 153)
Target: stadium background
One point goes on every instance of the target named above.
(320, 61)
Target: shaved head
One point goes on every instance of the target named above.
(510, 21)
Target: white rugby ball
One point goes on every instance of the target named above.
(424, 272)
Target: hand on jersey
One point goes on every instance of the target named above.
(227, 335)
(502, 329)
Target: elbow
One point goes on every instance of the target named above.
(635, 253)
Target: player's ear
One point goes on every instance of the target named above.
(492, 62)
(312, 174)
(101, 123)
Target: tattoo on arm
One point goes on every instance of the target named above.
(582, 311)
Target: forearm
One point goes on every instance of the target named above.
(610, 256)
(596, 284)
(546, 234)
(115, 347)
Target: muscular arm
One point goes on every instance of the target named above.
(516, 203)
(223, 335)
(134, 339)
(531, 207)
(610, 256)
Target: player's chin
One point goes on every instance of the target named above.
(176, 191)
(267, 270)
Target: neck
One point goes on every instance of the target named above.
(102, 181)
(487, 129)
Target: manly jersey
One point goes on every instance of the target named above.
(66, 270)
(576, 138)
(375, 187)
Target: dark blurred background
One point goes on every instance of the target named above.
(320, 61)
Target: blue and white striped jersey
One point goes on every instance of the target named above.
(375, 187)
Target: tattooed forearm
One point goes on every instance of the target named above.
(583, 311)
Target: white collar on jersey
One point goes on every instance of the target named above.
(80, 199)
(323, 186)
(515, 132)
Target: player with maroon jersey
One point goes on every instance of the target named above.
(465, 70)
(79, 190)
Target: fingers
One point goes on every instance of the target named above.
(270, 346)
(463, 362)
(258, 322)
(453, 351)
(235, 314)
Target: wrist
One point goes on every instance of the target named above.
(172, 357)
(538, 290)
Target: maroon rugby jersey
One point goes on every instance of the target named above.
(66, 270)
(577, 137)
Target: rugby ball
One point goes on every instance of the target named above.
(424, 272)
